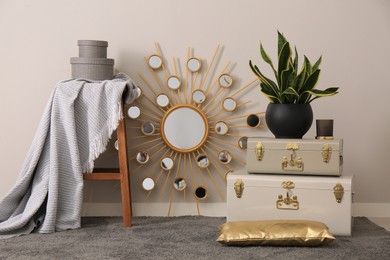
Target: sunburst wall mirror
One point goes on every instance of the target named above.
(182, 129)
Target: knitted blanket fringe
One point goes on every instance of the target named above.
(74, 130)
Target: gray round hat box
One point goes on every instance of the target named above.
(92, 62)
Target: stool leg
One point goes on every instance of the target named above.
(124, 172)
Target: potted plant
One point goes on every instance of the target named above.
(289, 114)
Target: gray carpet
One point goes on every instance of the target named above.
(181, 238)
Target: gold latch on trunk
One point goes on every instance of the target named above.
(288, 165)
(259, 151)
(290, 201)
(338, 191)
(238, 187)
(326, 152)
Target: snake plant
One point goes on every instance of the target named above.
(291, 86)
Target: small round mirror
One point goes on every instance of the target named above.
(253, 120)
(225, 80)
(198, 96)
(229, 104)
(155, 61)
(200, 193)
(116, 145)
(226, 174)
(148, 184)
(148, 128)
(138, 93)
(174, 82)
(221, 128)
(133, 112)
(142, 157)
(162, 100)
(224, 157)
(194, 64)
(167, 163)
(179, 184)
(202, 161)
(243, 142)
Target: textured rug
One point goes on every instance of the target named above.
(181, 238)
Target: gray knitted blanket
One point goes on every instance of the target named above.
(75, 128)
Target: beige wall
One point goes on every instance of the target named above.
(38, 38)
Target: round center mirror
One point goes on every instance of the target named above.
(155, 61)
(184, 128)
(193, 64)
(173, 82)
(148, 184)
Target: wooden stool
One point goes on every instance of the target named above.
(121, 174)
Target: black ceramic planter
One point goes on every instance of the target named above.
(289, 120)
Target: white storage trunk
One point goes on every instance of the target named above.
(271, 197)
(295, 156)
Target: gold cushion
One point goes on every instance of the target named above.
(275, 233)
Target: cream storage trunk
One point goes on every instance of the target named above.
(295, 156)
(272, 197)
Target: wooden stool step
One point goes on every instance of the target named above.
(121, 174)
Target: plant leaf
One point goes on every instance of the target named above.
(316, 65)
(265, 56)
(291, 91)
(311, 81)
(284, 58)
(284, 78)
(295, 63)
(271, 84)
(281, 42)
(309, 68)
(269, 93)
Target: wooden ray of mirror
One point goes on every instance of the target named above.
(224, 157)
(202, 161)
(200, 193)
(198, 96)
(133, 112)
(221, 128)
(162, 100)
(253, 120)
(243, 142)
(179, 184)
(148, 184)
(174, 82)
(225, 80)
(167, 163)
(229, 104)
(155, 61)
(184, 128)
(148, 128)
(194, 64)
(142, 157)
